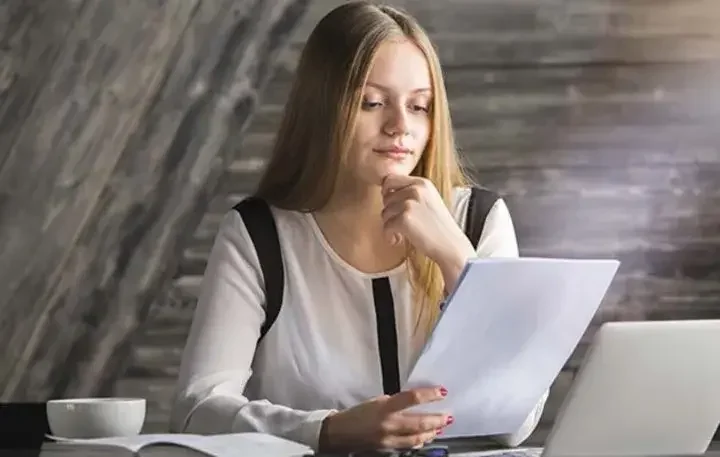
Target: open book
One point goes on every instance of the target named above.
(179, 445)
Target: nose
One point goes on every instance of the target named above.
(397, 122)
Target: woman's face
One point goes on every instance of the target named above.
(393, 125)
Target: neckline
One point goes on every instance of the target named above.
(320, 237)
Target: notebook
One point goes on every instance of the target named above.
(505, 333)
(181, 445)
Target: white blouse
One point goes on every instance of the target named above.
(321, 354)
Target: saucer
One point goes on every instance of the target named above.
(60, 439)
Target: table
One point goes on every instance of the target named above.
(458, 448)
(23, 427)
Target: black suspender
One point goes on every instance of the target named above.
(386, 334)
(260, 224)
(479, 206)
(261, 227)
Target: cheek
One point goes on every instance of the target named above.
(423, 131)
(365, 134)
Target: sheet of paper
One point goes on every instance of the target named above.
(506, 332)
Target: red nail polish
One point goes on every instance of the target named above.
(450, 420)
(439, 431)
(443, 391)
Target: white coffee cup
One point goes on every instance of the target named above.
(95, 417)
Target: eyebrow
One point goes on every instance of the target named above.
(388, 89)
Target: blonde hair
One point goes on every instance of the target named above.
(319, 118)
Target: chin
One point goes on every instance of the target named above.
(374, 173)
(377, 177)
(398, 169)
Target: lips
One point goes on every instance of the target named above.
(394, 150)
(395, 154)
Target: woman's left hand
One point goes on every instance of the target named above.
(414, 210)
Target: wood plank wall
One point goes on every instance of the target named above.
(596, 119)
(117, 120)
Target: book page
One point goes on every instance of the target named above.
(130, 443)
(255, 444)
(251, 444)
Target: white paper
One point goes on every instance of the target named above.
(503, 337)
(234, 444)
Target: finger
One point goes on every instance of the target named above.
(393, 183)
(414, 423)
(392, 217)
(394, 228)
(394, 238)
(406, 194)
(408, 441)
(412, 397)
(393, 210)
(427, 438)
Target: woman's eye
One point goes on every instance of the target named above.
(420, 108)
(367, 104)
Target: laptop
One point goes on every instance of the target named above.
(647, 388)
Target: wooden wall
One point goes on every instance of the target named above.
(116, 121)
(596, 119)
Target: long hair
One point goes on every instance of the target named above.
(319, 119)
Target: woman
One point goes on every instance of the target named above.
(364, 183)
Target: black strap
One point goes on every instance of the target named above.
(387, 334)
(480, 204)
(261, 227)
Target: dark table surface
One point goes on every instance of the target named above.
(23, 429)
(458, 448)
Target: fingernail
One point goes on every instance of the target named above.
(450, 420)
(439, 431)
(443, 392)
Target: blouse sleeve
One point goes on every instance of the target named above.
(498, 239)
(216, 362)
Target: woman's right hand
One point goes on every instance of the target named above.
(381, 423)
